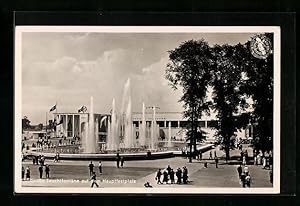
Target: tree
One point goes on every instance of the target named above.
(40, 126)
(228, 102)
(259, 86)
(189, 68)
(235, 76)
(25, 123)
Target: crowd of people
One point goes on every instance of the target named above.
(42, 168)
(45, 143)
(167, 176)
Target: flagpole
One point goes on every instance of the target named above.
(56, 119)
(46, 125)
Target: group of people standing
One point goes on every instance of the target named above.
(40, 160)
(41, 169)
(25, 173)
(168, 175)
(91, 168)
(244, 157)
(119, 160)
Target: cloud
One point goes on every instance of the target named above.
(71, 67)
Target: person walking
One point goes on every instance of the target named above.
(248, 180)
(246, 170)
(242, 155)
(246, 155)
(169, 169)
(172, 177)
(47, 171)
(216, 161)
(41, 171)
(185, 175)
(27, 173)
(200, 155)
(91, 168)
(23, 173)
(244, 160)
(118, 161)
(178, 175)
(100, 167)
(255, 160)
(210, 155)
(271, 176)
(165, 177)
(264, 160)
(93, 179)
(239, 170)
(243, 179)
(158, 175)
(37, 160)
(122, 162)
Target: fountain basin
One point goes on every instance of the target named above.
(111, 157)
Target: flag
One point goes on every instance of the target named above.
(53, 108)
(82, 109)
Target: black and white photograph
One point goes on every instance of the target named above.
(147, 109)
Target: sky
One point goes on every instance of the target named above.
(68, 68)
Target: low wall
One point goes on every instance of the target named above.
(110, 157)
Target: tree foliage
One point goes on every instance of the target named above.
(235, 76)
(25, 123)
(259, 86)
(189, 68)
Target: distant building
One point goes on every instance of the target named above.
(73, 124)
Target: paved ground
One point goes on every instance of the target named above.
(136, 173)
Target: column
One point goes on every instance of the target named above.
(165, 123)
(66, 125)
(205, 123)
(73, 125)
(178, 124)
(79, 126)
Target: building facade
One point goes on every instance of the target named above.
(170, 123)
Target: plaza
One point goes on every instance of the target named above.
(68, 173)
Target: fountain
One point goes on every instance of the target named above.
(154, 130)
(90, 137)
(128, 136)
(121, 134)
(123, 126)
(142, 136)
(113, 132)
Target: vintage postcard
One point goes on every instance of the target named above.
(147, 109)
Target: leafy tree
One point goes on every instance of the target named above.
(25, 123)
(189, 68)
(228, 101)
(259, 86)
(235, 76)
(40, 126)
